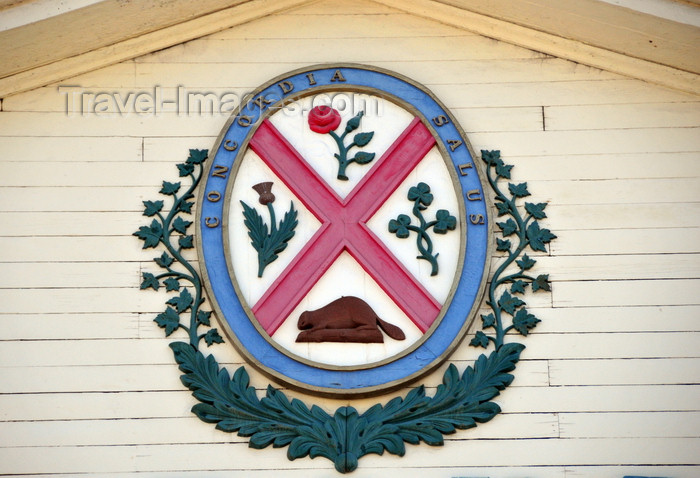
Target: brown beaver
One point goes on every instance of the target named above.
(348, 319)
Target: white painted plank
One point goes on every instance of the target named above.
(110, 174)
(627, 292)
(602, 166)
(72, 223)
(642, 266)
(643, 115)
(622, 141)
(628, 425)
(673, 318)
(65, 199)
(70, 326)
(622, 216)
(680, 471)
(605, 345)
(625, 241)
(192, 430)
(148, 458)
(23, 149)
(71, 249)
(59, 275)
(625, 371)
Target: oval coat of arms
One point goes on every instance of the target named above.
(343, 230)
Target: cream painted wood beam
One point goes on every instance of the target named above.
(128, 48)
(550, 43)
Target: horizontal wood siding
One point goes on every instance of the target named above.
(609, 384)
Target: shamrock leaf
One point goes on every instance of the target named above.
(152, 207)
(363, 158)
(509, 303)
(171, 284)
(508, 227)
(182, 302)
(150, 234)
(197, 156)
(169, 320)
(518, 190)
(399, 226)
(180, 225)
(502, 245)
(523, 321)
(444, 222)
(169, 189)
(361, 139)
(212, 337)
(541, 283)
(149, 280)
(480, 340)
(526, 262)
(420, 193)
(537, 210)
(538, 237)
(487, 321)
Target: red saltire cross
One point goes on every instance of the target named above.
(343, 226)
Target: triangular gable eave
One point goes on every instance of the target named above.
(470, 16)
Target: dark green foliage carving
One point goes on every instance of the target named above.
(527, 233)
(345, 436)
(444, 221)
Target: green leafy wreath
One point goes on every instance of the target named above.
(460, 402)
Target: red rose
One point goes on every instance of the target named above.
(323, 119)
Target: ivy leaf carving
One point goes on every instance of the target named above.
(170, 189)
(487, 321)
(526, 262)
(197, 156)
(185, 206)
(152, 208)
(508, 227)
(541, 283)
(509, 303)
(149, 280)
(169, 320)
(503, 170)
(203, 317)
(150, 234)
(180, 225)
(539, 237)
(164, 260)
(213, 337)
(503, 208)
(171, 284)
(537, 210)
(518, 287)
(182, 302)
(186, 242)
(518, 190)
(523, 321)
(491, 157)
(502, 245)
(185, 169)
(480, 340)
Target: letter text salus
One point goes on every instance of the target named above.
(476, 218)
(463, 168)
(454, 143)
(440, 120)
(474, 195)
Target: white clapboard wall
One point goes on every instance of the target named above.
(608, 383)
